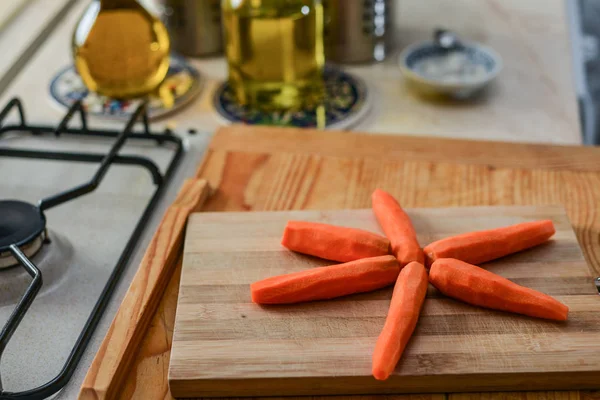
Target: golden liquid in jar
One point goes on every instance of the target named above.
(120, 49)
(275, 52)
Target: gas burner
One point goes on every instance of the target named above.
(21, 224)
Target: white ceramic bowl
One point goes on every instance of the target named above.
(484, 58)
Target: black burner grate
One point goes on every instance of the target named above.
(23, 222)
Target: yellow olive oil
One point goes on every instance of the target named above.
(275, 52)
(120, 49)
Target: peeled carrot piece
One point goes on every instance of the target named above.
(481, 246)
(327, 282)
(407, 300)
(332, 242)
(480, 287)
(397, 227)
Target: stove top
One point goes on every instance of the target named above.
(67, 232)
(87, 235)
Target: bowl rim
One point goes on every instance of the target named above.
(410, 73)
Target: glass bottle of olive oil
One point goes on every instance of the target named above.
(120, 49)
(275, 52)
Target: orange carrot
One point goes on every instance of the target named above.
(397, 227)
(479, 247)
(327, 282)
(334, 243)
(407, 300)
(480, 287)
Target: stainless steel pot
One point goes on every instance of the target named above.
(194, 26)
(358, 31)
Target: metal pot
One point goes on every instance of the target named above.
(357, 31)
(194, 26)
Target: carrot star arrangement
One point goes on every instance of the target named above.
(371, 261)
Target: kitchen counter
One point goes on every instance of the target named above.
(533, 99)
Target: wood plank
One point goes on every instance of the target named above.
(572, 395)
(244, 180)
(416, 384)
(145, 379)
(253, 139)
(268, 181)
(271, 350)
(111, 364)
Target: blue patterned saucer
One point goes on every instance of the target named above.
(346, 102)
(182, 84)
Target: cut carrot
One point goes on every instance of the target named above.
(407, 300)
(327, 282)
(397, 227)
(480, 287)
(334, 243)
(479, 247)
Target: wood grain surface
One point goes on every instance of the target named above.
(225, 345)
(333, 170)
(112, 362)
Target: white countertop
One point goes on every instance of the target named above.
(533, 99)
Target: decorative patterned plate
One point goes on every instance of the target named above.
(346, 102)
(182, 84)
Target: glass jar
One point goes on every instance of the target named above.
(120, 50)
(275, 52)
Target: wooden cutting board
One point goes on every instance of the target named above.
(269, 169)
(224, 345)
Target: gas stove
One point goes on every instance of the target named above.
(80, 198)
(77, 207)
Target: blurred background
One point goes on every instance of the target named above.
(585, 31)
(552, 55)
